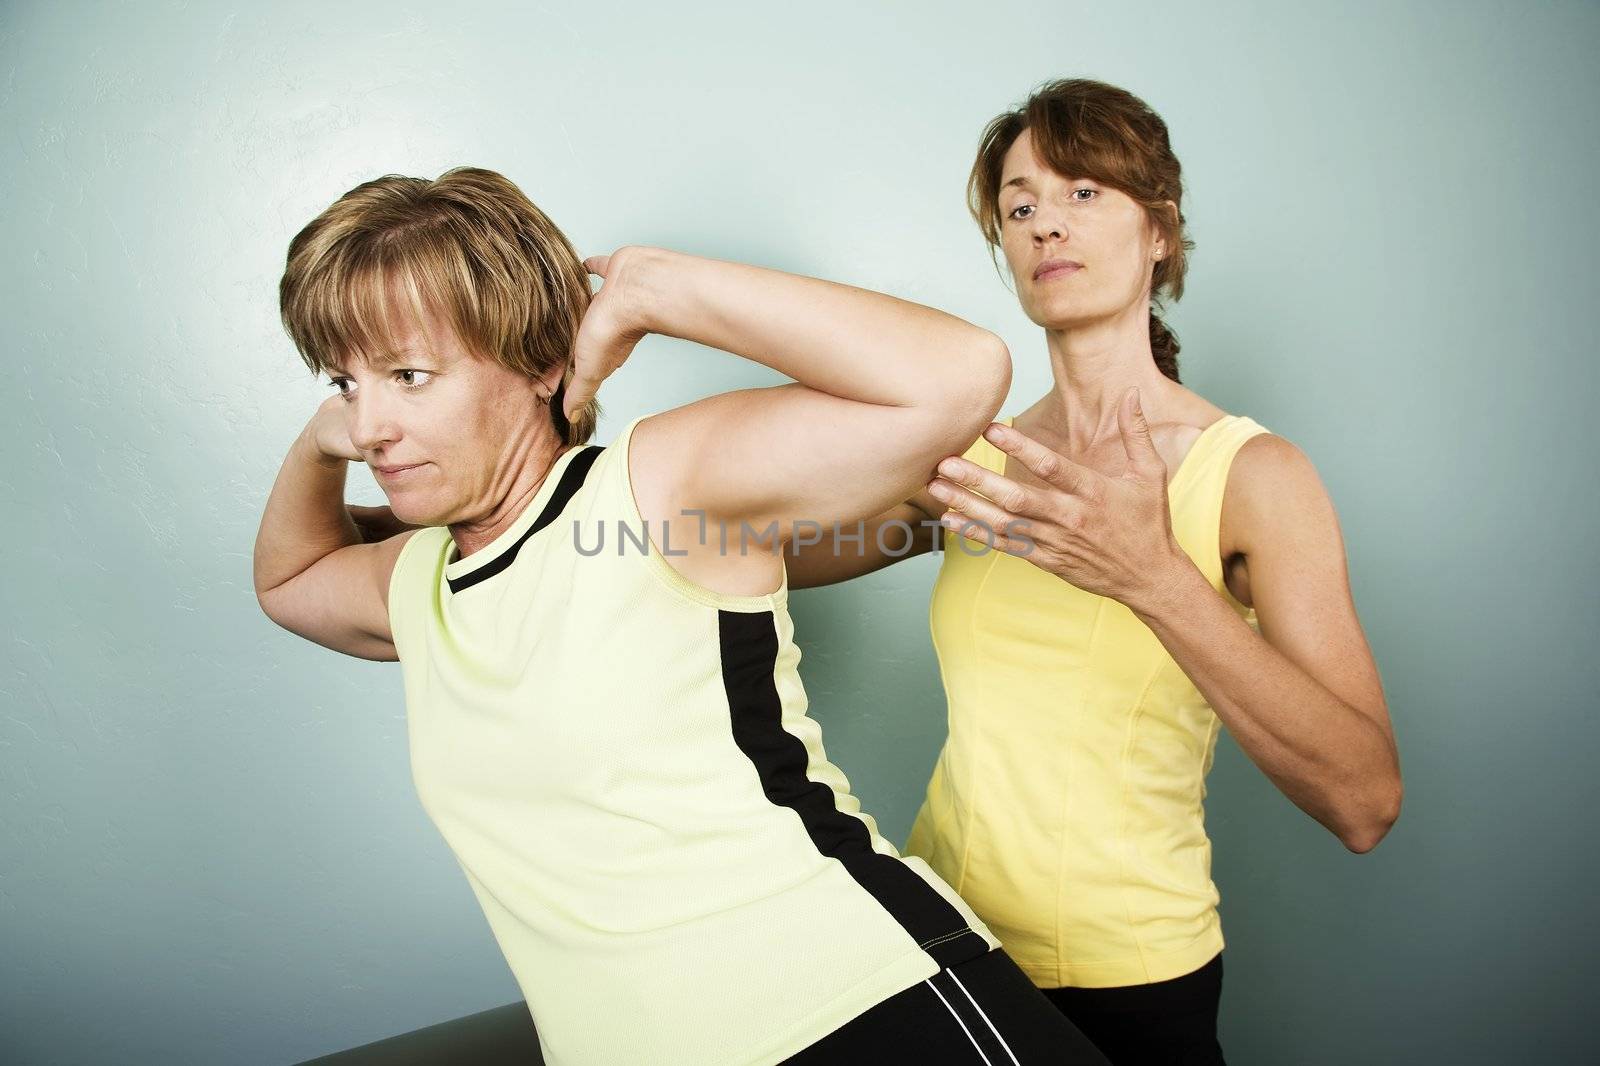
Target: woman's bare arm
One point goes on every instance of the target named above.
(1303, 699)
(902, 532)
(883, 388)
(314, 574)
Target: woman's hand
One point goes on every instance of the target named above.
(329, 432)
(614, 323)
(1108, 535)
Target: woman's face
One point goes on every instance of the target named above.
(443, 431)
(1079, 251)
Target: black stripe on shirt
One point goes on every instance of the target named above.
(749, 658)
(571, 480)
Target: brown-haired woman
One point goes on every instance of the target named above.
(613, 740)
(1160, 568)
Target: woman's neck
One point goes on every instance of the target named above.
(1093, 366)
(520, 473)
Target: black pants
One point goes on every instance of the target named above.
(983, 1012)
(1168, 1023)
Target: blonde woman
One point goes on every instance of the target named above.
(1139, 570)
(605, 714)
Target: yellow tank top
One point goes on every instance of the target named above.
(1066, 805)
(622, 762)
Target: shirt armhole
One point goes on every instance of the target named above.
(396, 586)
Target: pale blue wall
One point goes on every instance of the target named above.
(209, 847)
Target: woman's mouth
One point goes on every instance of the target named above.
(1056, 268)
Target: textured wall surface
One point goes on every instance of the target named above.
(209, 846)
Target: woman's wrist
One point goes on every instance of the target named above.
(643, 275)
(1167, 585)
(310, 449)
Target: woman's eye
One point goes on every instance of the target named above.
(1016, 212)
(339, 384)
(1083, 199)
(413, 379)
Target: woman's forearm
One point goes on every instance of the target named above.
(305, 518)
(844, 341)
(1334, 762)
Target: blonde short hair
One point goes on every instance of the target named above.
(471, 246)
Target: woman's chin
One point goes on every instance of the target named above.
(1075, 318)
(409, 511)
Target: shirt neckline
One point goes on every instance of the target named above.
(457, 567)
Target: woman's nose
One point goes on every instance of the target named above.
(370, 425)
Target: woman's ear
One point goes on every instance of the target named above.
(552, 393)
(549, 383)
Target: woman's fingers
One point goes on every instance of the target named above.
(596, 352)
(582, 387)
(604, 340)
(1007, 494)
(967, 505)
(331, 430)
(599, 349)
(1049, 466)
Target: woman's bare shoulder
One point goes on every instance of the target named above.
(1270, 480)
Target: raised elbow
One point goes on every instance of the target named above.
(992, 374)
(1359, 843)
(1369, 833)
(269, 603)
(973, 393)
